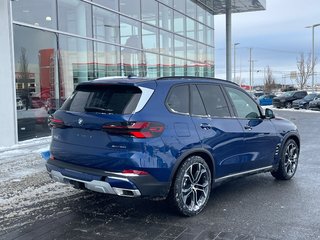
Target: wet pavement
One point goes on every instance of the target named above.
(255, 207)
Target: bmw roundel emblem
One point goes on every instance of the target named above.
(80, 121)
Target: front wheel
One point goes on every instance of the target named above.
(288, 105)
(289, 161)
(192, 186)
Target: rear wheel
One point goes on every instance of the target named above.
(289, 161)
(192, 186)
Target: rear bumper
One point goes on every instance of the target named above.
(116, 183)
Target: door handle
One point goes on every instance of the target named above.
(247, 127)
(205, 126)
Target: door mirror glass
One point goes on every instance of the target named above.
(269, 113)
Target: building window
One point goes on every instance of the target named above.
(37, 13)
(149, 10)
(130, 32)
(75, 17)
(36, 79)
(106, 25)
(130, 8)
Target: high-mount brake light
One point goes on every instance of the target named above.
(135, 129)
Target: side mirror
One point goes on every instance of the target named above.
(269, 113)
(51, 111)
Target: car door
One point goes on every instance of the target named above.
(260, 138)
(219, 133)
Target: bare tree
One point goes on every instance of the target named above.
(24, 65)
(269, 81)
(305, 69)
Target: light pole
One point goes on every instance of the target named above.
(234, 61)
(313, 57)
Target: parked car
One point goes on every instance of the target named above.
(19, 102)
(266, 99)
(172, 137)
(304, 102)
(315, 104)
(286, 99)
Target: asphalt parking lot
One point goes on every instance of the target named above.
(255, 207)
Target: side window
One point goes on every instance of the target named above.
(197, 107)
(244, 106)
(178, 99)
(214, 101)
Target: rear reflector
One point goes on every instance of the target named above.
(134, 172)
(135, 129)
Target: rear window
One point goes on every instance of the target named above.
(108, 99)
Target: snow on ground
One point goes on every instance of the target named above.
(25, 184)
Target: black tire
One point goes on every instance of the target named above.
(191, 187)
(289, 161)
(288, 105)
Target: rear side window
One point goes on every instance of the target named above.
(214, 101)
(103, 99)
(178, 99)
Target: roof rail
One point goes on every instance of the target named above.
(194, 77)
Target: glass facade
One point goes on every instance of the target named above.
(60, 43)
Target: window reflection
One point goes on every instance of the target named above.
(180, 5)
(166, 66)
(133, 62)
(150, 38)
(130, 8)
(166, 43)
(201, 14)
(149, 10)
(76, 62)
(180, 46)
(107, 60)
(37, 86)
(152, 65)
(191, 50)
(130, 32)
(191, 28)
(180, 67)
(37, 13)
(75, 17)
(165, 17)
(113, 4)
(106, 25)
(179, 23)
(191, 9)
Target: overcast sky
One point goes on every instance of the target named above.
(277, 36)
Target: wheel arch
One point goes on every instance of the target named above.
(293, 136)
(203, 153)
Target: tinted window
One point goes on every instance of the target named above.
(104, 99)
(214, 100)
(244, 106)
(178, 99)
(197, 107)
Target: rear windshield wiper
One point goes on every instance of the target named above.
(98, 109)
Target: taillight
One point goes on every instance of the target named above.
(56, 123)
(135, 129)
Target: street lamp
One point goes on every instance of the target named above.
(313, 57)
(234, 61)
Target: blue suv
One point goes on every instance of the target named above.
(171, 137)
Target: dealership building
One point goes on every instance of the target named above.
(49, 46)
